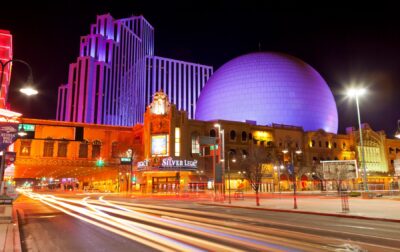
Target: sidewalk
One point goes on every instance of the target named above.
(374, 209)
(9, 235)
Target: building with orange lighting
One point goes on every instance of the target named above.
(172, 153)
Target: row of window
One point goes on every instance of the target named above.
(48, 149)
(232, 135)
(327, 145)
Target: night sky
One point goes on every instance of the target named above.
(343, 43)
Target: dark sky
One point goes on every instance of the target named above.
(344, 43)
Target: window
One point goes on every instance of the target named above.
(177, 142)
(83, 149)
(250, 136)
(96, 147)
(244, 136)
(344, 145)
(25, 149)
(334, 145)
(114, 150)
(319, 144)
(326, 144)
(195, 144)
(48, 148)
(62, 149)
(232, 135)
(213, 133)
(336, 158)
(312, 143)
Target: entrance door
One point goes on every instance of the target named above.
(165, 185)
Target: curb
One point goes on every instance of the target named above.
(307, 212)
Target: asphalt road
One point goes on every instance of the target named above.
(172, 225)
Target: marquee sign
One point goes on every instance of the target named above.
(168, 164)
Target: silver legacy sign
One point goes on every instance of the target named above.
(169, 162)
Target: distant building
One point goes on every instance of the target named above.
(116, 73)
(6, 54)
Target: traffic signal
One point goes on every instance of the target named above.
(100, 162)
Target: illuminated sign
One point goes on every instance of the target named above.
(159, 145)
(26, 127)
(169, 162)
(143, 163)
(261, 136)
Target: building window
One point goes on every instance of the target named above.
(336, 158)
(96, 147)
(195, 144)
(344, 146)
(326, 144)
(114, 150)
(83, 149)
(244, 136)
(213, 133)
(319, 144)
(250, 136)
(312, 143)
(25, 149)
(334, 145)
(177, 142)
(232, 135)
(62, 149)
(48, 148)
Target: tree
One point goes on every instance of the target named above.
(253, 165)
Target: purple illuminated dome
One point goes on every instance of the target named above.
(269, 88)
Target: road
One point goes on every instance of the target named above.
(107, 223)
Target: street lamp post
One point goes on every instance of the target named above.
(229, 175)
(130, 153)
(298, 152)
(221, 134)
(29, 90)
(356, 93)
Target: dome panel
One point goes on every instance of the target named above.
(269, 88)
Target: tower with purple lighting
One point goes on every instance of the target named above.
(116, 73)
(269, 88)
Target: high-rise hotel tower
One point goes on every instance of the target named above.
(116, 73)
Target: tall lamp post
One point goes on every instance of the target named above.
(130, 154)
(229, 175)
(298, 152)
(28, 90)
(356, 93)
(221, 135)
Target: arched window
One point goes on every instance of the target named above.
(213, 133)
(25, 149)
(250, 136)
(232, 135)
(83, 149)
(326, 144)
(195, 143)
(244, 136)
(96, 148)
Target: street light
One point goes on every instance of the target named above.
(28, 90)
(221, 135)
(397, 135)
(356, 93)
(229, 175)
(130, 154)
(298, 152)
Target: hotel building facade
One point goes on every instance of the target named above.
(116, 73)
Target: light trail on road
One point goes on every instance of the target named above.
(176, 229)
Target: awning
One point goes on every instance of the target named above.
(198, 179)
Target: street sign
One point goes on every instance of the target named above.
(126, 160)
(290, 169)
(8, 134)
